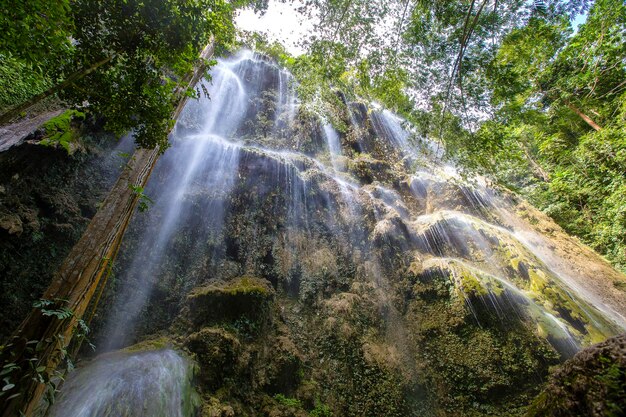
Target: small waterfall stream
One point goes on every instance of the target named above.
(156, 383)
(237, 162)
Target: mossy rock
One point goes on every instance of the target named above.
(242, 300)
(592, 383)
(368, 169)
(284, 371)
(510, 268)
(216, 352)
(60, 132)
(281, 406)
(473, 347)
(214, 408)
(154, 343)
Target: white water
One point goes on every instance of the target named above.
(147, 384)
(191, 187)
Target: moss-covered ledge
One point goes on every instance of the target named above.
(244, 299)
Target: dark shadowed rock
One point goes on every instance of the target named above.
(243, 298)
(216, 351)
(592, 383)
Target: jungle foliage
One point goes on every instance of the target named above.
(119, 59)
(511, 89)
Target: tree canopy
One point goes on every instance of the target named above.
(511, 89)
(119, 59)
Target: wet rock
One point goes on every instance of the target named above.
(391, 232)
(214, 408)
(283, 372)
(592, 383)
(368, 170)
(31, 219)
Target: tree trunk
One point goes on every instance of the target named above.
(76, 281)
(538, 170)
(583, 116)
(15, 111)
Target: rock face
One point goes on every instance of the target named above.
(592, 383)
(244, 352)
(46, 200)
(315, 271)
(242, 299)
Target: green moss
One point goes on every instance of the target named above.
(320, 410)
(242, 304)
(59, 131)
(247, 285)
(534, 279)
(158, 343)
(470, 285)
(478, 362)
(216, 351)
(239, 286)
(289, 402)
(591, 383)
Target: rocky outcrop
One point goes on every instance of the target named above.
(245, 356)
(592, 383)
(243, 299)
(15, 134)
(369, 280)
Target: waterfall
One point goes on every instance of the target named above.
(253, 186)
(156, 383)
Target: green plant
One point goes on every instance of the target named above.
(144, 200)
(289, 402)
(50, 308)
(320, 410)
(37, 370)
(18, 81)
(612, 379)
(37, 236)
(59, 131)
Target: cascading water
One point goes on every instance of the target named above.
(156, 383)
(252, 186)
(200, 165)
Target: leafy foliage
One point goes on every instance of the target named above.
(509, 89)
(288, 402)
(127, 60)
(18, 81)
(144, 201)
(36, 31)
(36, 369)
(320, 410)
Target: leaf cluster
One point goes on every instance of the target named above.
(126, 60)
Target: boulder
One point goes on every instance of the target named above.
(592, 383)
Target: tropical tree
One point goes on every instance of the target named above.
(125, 56)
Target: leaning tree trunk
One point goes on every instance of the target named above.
(583, 116)
(39, 344)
